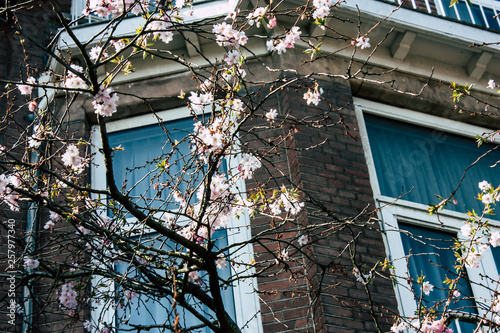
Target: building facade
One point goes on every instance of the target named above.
(387, 137)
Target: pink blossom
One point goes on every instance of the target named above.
(74, 81)
(105, 102)
(32, 106)
(193, 276)
(312, 97)
(272, 22)
(67, 297)
(95, 51)
(26, 89)
(232, 57)
(466, 229)
(321, 12)
(72, 158)
(159, 27)
(49, 225)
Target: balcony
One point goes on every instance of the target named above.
(481, 13)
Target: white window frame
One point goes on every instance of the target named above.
(246, 300)
(415, 213)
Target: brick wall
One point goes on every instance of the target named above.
(18, 60)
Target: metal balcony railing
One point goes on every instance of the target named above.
(483, 13)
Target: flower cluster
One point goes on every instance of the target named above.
(361, 277)
(104, 8)
(129, 294)
(67, 297)
(428, 326)
(105, 102)
(288, 201)
(227, 36)
(211, 138)
(71, 158)
(159, 27)
(6, 193)
(322, 8)
(25, 89)
(74, 81)
(281, 45)
(39, 132)
(313, 96)
(53, 218)
(256, 16)
(198, 101)
(248, 165)
(489, 194)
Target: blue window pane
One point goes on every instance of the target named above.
(432, 257)
(449, 11)
(427, 163)
(147, 310)
(492, 20)
(478, 16)
(145, 147)
(134, 166)
(463, 12)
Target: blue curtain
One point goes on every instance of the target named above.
(428, 163)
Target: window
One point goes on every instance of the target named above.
(414, 157)
(144, 140)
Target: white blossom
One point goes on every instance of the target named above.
(466, 229)
(271, 114)
(303, 240)
(484, 186)
(427, 287)
(495, 239)
(31, 263)
(363, 42)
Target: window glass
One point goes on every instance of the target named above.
(142, 149)
(433, 257)
(492, 20)
(142, 310)
(463, 11)
(478, 16)
(423, 163)
(135, 167)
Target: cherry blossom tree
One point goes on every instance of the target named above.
(160, 240)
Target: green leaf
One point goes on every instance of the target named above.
(454, 2)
